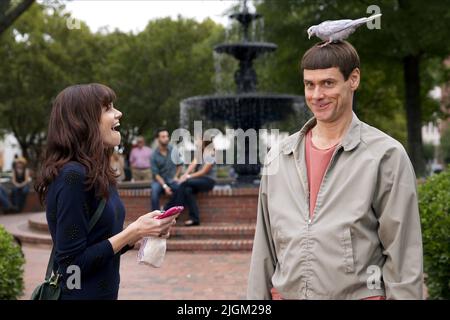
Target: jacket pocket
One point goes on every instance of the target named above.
(281, 244)
(346, 242)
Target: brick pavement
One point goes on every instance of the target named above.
(184, 275)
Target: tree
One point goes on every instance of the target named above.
(10, 11)
(397, 60)
(40, 56)
(150, 72)
(154, 70)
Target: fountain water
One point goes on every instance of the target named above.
(247, 108)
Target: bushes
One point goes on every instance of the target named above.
(11, 267)
(434, 202)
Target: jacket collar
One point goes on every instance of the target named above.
(351, 138)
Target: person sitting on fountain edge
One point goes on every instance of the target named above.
(199, 177)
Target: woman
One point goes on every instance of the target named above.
(76, 175)
(20, 181)
(197, 178)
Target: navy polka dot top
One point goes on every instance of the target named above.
(87, 263)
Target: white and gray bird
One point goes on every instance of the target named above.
(336, 30)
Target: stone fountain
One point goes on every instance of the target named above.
(246, 108)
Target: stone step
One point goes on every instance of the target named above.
(207, 237)
(222, 231)
(209, 245)
(28, 236)
(227, 231)
(38, 223)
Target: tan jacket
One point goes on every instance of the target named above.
(364, 239)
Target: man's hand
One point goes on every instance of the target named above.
(167, 190)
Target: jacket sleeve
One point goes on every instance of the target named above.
(72, 227)
(396, 206)
(263, 260)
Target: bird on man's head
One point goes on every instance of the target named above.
(337, 30)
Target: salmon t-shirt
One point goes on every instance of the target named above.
(317, 161)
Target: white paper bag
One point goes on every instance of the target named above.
(152, 251)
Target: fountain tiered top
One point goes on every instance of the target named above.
(245, 51)
(245, 18)
(247, 108)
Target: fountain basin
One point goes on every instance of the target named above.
(246, 110)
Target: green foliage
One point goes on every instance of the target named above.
(40, 56)
(11, 267)
(150, 71)
(434, 203)
(170, 60)
(155, 69)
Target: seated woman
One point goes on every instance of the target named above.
(20, 179)
(197, 178)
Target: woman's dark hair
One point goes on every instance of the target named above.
(74, 135)
(339, 54)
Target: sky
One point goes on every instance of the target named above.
(133, 15)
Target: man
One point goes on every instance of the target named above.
(140, 158)
(337, 215)
(166, 168)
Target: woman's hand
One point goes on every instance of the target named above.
(148, 226)
(145, 226)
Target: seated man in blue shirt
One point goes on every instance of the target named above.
(166, 168)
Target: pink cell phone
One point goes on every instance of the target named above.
(170, 212)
